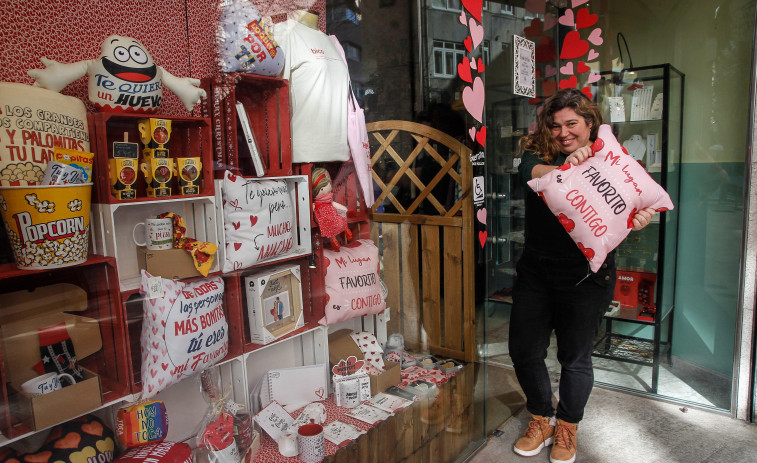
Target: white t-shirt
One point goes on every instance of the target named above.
(318, 92)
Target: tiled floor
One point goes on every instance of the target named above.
(624, 428)
(679, 381)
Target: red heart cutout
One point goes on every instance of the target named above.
(588, 252)
(481, 136)
(573, 46)
(545, 51)
(468, 42)
(535, 29)
(582, 67)
(482, 237)
(480, 66)
(253, 220)
(236, 225)
(569, 83)
(566, 222)
(71, 441)
(463, 70)
(237, 246)
(597, 145)
(585, 19)
(474, 7)
(587, 91)
(231, 177)
(548, 87)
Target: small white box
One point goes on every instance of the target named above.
(274, 303)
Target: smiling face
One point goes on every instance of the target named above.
(570, 130)
(127, 59)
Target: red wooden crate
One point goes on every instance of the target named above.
(99, 278)
(236, 298)
(266, 100)
(190, 137)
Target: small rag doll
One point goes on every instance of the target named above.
(326, 211)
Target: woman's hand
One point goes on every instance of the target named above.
(642, 218)
(580, 155)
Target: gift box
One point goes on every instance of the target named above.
(46, 410)
(342, 346)
(274, 303)
(170, 263)
(20, 323)
(634, 289)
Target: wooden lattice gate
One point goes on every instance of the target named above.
(423, 223)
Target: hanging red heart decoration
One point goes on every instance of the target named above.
(463, 70)
(474, 7)
(481, 136)
(569, 83)
(573, 46)
(585, 19)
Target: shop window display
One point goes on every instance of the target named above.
(172, 168)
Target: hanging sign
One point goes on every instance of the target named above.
(524, 80)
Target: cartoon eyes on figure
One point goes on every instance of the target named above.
(123, 54)
(137, 54)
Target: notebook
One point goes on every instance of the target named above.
(293, 388)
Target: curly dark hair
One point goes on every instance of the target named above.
(541, 141)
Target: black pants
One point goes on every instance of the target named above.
(556, 294)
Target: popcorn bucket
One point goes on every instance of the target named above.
(47, 225)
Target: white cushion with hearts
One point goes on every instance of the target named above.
(184, 330)
(596, 200)
(353, 287)
(258, 220)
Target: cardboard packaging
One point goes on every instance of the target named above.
(341, 346)
(24, 313)
(170, 263)
(274, 303)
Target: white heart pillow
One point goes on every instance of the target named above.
(184, 330)
(596, 200)
(258, 220)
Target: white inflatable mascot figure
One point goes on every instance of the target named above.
(123, 79)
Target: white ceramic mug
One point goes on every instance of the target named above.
(48, 382)
(158, 234)
(310, 443)
(349, 392)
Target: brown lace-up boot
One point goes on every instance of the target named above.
(564, 448)
(537, 436)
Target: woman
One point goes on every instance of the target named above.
(555, 289)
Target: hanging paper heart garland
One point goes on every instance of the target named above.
(575, 51)
(473, 94)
